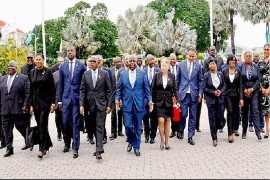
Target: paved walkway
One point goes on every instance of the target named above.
(242, 159)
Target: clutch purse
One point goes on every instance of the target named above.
(176, 113)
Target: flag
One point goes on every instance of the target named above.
(30, 36)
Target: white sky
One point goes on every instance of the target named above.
(27, 13)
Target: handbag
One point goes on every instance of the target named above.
(32, 134)
(176, 111)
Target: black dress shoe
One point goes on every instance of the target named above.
(152, 141)
(121, 134)
(190, 141)
(259, 136)
(113, 136)
(215, 143)
(98, 156)
(105, 141)
(9, 152)
(24, 148)
(66, 149)
(146, 138)
(137, 152)
(129, 148)
(180, 135)
(220, 130)
(1, 147)
(198, 130)
(244, 136)
(76, 154)
(236, 132)
(172, 134)
(91, 141)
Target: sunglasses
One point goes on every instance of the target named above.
(132, 60)
(29, 57)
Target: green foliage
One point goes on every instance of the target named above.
(79, 9)
(8, 53)
(106, 33)
(100, 11)
(193, 12)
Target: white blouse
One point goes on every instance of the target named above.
(164, 81)
(215, 80)
(231, 76)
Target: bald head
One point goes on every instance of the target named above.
(12, 68)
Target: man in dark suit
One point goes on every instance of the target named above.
(15, 90)
(95, 89)
(213, 55)
(70, 75)
(117, 116)
(174, 69)
(132, 84)
(189, 83)
(150, 71)
(58, 113)
(139, 62)
(100, 65)
(26, 69)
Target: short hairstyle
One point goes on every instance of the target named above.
(192, 49)
(40, 54)
(231, 57)
(266, 45)
(164, 59)
(12, 63)
(212, 60)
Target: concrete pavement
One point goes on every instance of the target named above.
(243, 159)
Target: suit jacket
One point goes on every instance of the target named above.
(233, 88)
(115, 80)
(100, 95)
(69, 88)
(161, 95)
(254, 81)
(18, 96)
(56, 84)
(110, 74)
(55, 68)
(219, 60)
(42, 92)
(195, 81)
(133, 96)
(156, 70)
(209, 89)
(26, 69)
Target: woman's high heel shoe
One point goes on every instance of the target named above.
(161, 145)
(266, 136)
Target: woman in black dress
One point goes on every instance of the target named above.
(233, 95)
(163, 91)
(42, 101)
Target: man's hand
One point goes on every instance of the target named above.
(52, 108)
(108, 110)
(60, 106)
(117, 105)
(120, 103)
(151, 106)
(265, 91)
(31, 110)
(24, 109)
(241, 103)
(82, 110)
(200, 98)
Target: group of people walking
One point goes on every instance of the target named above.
(140, 97)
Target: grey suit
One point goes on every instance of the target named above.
(12, 104)
(97, 98)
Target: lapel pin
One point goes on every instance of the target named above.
(43, 72)
(77, 64)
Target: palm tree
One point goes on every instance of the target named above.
(135, 31)
(256, 12)
(79, 33)
(177, 38)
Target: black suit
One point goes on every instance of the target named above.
(162, 98)
(42, 97)
(97, 98)
(12, 104)
(55, 68)
(206, 63)
(233, 94)
(116, 117)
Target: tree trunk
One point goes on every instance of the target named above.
(232, 30)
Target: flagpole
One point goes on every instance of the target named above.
(43, 32)
(16, 37)
(211, 21)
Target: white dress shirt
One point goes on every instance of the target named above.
(132, 77)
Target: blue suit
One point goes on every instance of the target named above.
(69, 94)
(189, 100)
(153, 116)
(133, 104)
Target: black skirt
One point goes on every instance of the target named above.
(164, 111)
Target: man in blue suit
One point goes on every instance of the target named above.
(70, 75)
(150, 71)
(132, 85)
(190, 83)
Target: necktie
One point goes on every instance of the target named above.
(9, 83)
(71, 69)
(150, 76)
(94, 78)
(189, 70)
